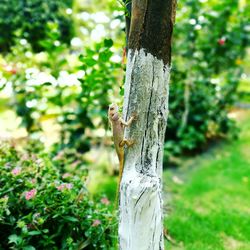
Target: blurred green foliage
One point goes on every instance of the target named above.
(210, 41)
(27, 19)
(92, 100)
(77, 98)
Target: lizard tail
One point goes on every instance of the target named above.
(121, 165)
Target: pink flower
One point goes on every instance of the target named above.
(59, 156)
(96, 223)
(33, 157)
(16, 171)
(64, 186)
(33, 181)
(30, 194)
(61, 187)
(69, 185)
(75, 164)
(25, 157)
(66, 175)
(105, 201)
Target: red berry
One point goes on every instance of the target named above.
(221, 41)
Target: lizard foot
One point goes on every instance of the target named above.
(129, 143)
(134, 115)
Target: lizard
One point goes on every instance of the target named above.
(118, 125)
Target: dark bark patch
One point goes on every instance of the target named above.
(151, 27)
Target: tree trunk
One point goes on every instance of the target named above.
(146, 93)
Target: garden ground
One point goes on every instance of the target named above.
(209, 197)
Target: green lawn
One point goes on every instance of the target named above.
(211, 209)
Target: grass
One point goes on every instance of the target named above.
(211, 209)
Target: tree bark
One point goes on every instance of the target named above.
(146, 93)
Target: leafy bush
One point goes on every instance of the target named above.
(41, 209)
(91, 100)
(27, 19)
(210, 41)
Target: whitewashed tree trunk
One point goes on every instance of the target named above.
(140, 197)
(146, 93)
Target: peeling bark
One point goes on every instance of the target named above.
(146, 93)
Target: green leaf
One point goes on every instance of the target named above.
(34, 233)
(84, 244)
(121, 91)
(47, 84)
(29, 248)
(105, 55)
(70, 218)
(90, 62)
(14, 239)
(108, 43)
(81, 58)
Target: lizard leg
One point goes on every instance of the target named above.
(129, 143)
(131, 119)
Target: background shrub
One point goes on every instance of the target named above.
(42, 209)
(27, 19)
(210, 42)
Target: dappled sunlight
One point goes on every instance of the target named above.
(10, 126)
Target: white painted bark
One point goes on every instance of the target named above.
(146, 92)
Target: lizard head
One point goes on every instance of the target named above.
(113, 112)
